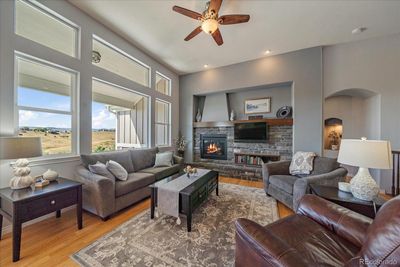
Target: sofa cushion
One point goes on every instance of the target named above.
(122, 157)
(117, 170)
(101, 169)
(324, 165)
(164, 159)
(162, 172)
(135, 181)
(283, 182)
(143, 158)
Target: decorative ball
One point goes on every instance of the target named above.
(21, 163)
(50, 175)
(22, 171)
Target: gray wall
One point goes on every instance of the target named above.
(301, 68)
(280, 96)
(374, 65)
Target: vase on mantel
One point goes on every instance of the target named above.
(198, 116)
(232, 117)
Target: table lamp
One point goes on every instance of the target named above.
(365, 154)
(20, 148)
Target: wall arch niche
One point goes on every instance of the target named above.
(355, 112)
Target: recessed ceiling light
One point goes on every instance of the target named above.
(205, 66)
(358, 30)
(267, 52)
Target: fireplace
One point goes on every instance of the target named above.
(213, 146)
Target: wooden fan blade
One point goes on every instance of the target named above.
(187, 12)
(215, 5)
(233, 19)
(218, 37)
(193, 33)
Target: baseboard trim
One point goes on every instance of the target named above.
(8, 228)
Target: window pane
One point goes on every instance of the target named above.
(54, 129)
(163, 84)
(163, 123)
(44, 104)
(39, 26)
(114, 61)
(119, 118)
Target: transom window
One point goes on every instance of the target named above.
(45, 104)
(39, 24)
(107, 56)
(163, 84)
(163, 123)
(119, 117)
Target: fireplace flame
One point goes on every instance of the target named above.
(212, 148)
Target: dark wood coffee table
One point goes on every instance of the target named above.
(347, 200)
(190, 197)
(26, 204)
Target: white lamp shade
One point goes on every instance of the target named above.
(376, 154)
(20, 147)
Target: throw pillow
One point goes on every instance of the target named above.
(101, 169)
(117, 169)
(163, 159)
(302, 163)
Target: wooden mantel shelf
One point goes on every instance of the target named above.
(209, 124)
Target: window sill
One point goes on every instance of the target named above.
(51, 160)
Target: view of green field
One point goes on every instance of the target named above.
(60, 143)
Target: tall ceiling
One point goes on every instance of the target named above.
(280, 26)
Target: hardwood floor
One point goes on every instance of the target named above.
(52, 241)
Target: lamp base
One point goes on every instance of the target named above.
(363, 186)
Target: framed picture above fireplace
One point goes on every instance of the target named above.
(257, 106)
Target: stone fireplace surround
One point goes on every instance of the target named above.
(280, 142)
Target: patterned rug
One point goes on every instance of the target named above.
(161, 242)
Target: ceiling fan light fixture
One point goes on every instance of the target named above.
(209, 26)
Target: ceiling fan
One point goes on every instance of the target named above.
(210, 20)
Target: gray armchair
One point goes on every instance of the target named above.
(289, 189)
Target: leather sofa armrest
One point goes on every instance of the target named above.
(257, 246)
(348, 224)
(98, 192)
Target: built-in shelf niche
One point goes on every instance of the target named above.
(333, 132)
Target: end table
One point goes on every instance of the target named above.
(26, 204)
(347, 200)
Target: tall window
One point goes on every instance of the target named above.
(163, 84)
(45, 95)
(37, 23)
(115, 60)
(163, 123)
(119, 117)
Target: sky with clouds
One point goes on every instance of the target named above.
(101, 117)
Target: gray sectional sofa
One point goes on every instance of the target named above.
(289, 189)
(104, 196)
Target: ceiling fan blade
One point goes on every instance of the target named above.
(187, 12)
(215, 5)
(233, 19)
(218, 37)
(193, 33)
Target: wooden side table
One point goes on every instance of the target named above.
(26, 204)
(347, 200)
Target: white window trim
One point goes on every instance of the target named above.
(74, 103)
(131, 91)
(169, 93)
(56, 16)
(122, 52)
(169, 124)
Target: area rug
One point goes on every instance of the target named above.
(161, 242)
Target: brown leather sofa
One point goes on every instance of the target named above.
(322, 234)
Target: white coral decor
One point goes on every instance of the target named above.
(22, 178)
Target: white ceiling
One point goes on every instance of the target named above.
(281, 26)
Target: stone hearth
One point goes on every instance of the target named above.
(279, 143)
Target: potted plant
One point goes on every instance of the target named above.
(180, 145)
